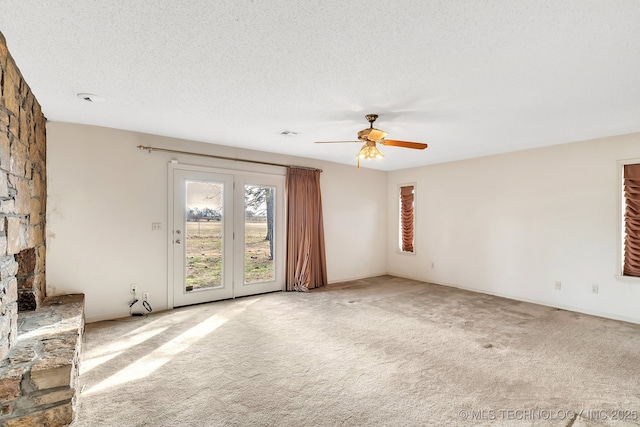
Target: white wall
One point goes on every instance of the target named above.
(104, 193)
(513, 224)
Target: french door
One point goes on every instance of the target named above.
(226, 238)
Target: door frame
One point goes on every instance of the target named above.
(252, 170)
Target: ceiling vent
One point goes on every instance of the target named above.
(90, 97)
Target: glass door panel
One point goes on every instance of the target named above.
(204, 234)
(202, 237)
(259, 233)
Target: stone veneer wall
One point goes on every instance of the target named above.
(22, 199)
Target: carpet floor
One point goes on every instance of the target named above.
(383, 351)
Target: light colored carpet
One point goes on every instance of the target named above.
(377, 352)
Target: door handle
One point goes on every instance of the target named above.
(178, 241)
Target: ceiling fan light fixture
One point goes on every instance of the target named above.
(370, 151)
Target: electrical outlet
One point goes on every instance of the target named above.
(134, 288)
(433, 265)
(594, 289)
(558, 285)
(156, 226)
(145, 296)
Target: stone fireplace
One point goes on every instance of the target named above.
(41, 337)
(22, 199)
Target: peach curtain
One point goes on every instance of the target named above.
(632, 220)
(306, 262)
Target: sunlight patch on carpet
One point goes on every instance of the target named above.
(148, 364)
(105, 353)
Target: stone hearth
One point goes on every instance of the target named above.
(38, 376)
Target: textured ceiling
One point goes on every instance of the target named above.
(470, 78)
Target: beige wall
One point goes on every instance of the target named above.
(509, 225)
(104, 193)
(514, 224)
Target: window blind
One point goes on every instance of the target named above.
(631, 266)
(406, 218)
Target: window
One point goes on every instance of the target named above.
(407, 214)
(631, 220)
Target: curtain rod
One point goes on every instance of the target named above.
(167, 150)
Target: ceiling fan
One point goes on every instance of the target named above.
(371, 136)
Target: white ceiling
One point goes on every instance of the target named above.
(469, 77)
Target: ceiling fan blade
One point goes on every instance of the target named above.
(376, 134)
(333, 142)
(405, 144)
